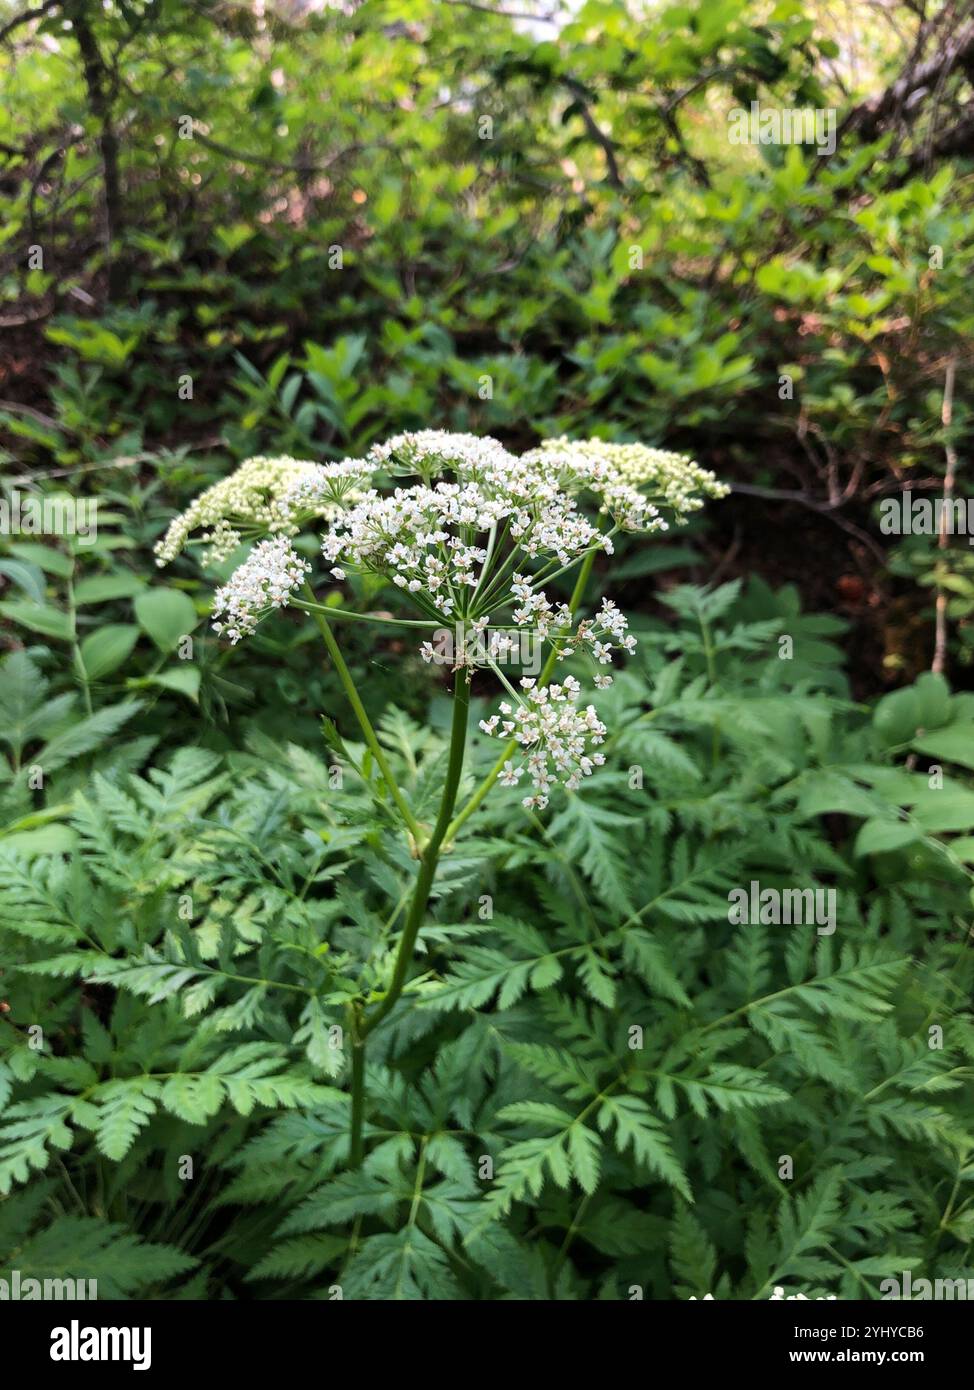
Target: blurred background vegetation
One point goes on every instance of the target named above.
(233, 229)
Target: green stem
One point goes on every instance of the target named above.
(709, 655)
(349, 616)
(429, 859)
(431, 852)
(79, 661)
(511, 746)
(345, 676)
(356, 1151)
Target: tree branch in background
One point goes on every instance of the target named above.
(505, 14)
(903, 99)
(946, 416)
(311, 166)
(689, 159)
(96, 75)
(25, 17)
(596, 133)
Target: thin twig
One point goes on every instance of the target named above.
(26, 16)
(946, 415)
(596, 133)
(310, 166)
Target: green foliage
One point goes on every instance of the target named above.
(588, 1087)
(603, 254)
(594, 1077)
(122, 1265)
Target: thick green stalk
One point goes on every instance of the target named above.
(511, 746)
(365, 724)
(429, 859)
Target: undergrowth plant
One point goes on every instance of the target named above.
(469, 533)
(369, 1019)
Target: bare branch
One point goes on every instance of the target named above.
(907, 94)
(285, 166)
(503, 14)
(26, 16)
(946, 417)
(595, 131)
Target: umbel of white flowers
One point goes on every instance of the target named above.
(470, 534)
(778, 1295)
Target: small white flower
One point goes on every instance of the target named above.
(262, 495)
(558, 739)
(631, 480)
(266, 579)
(465, 528)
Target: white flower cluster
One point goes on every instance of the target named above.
(263, 495)
(603, 634)
(436, 542)
(613, 472)
(557, 624)
(266, 579)
(472, 530)
(325, 490)
(428, 452)
(556, 735)
(566, 471)
(778, 1295)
